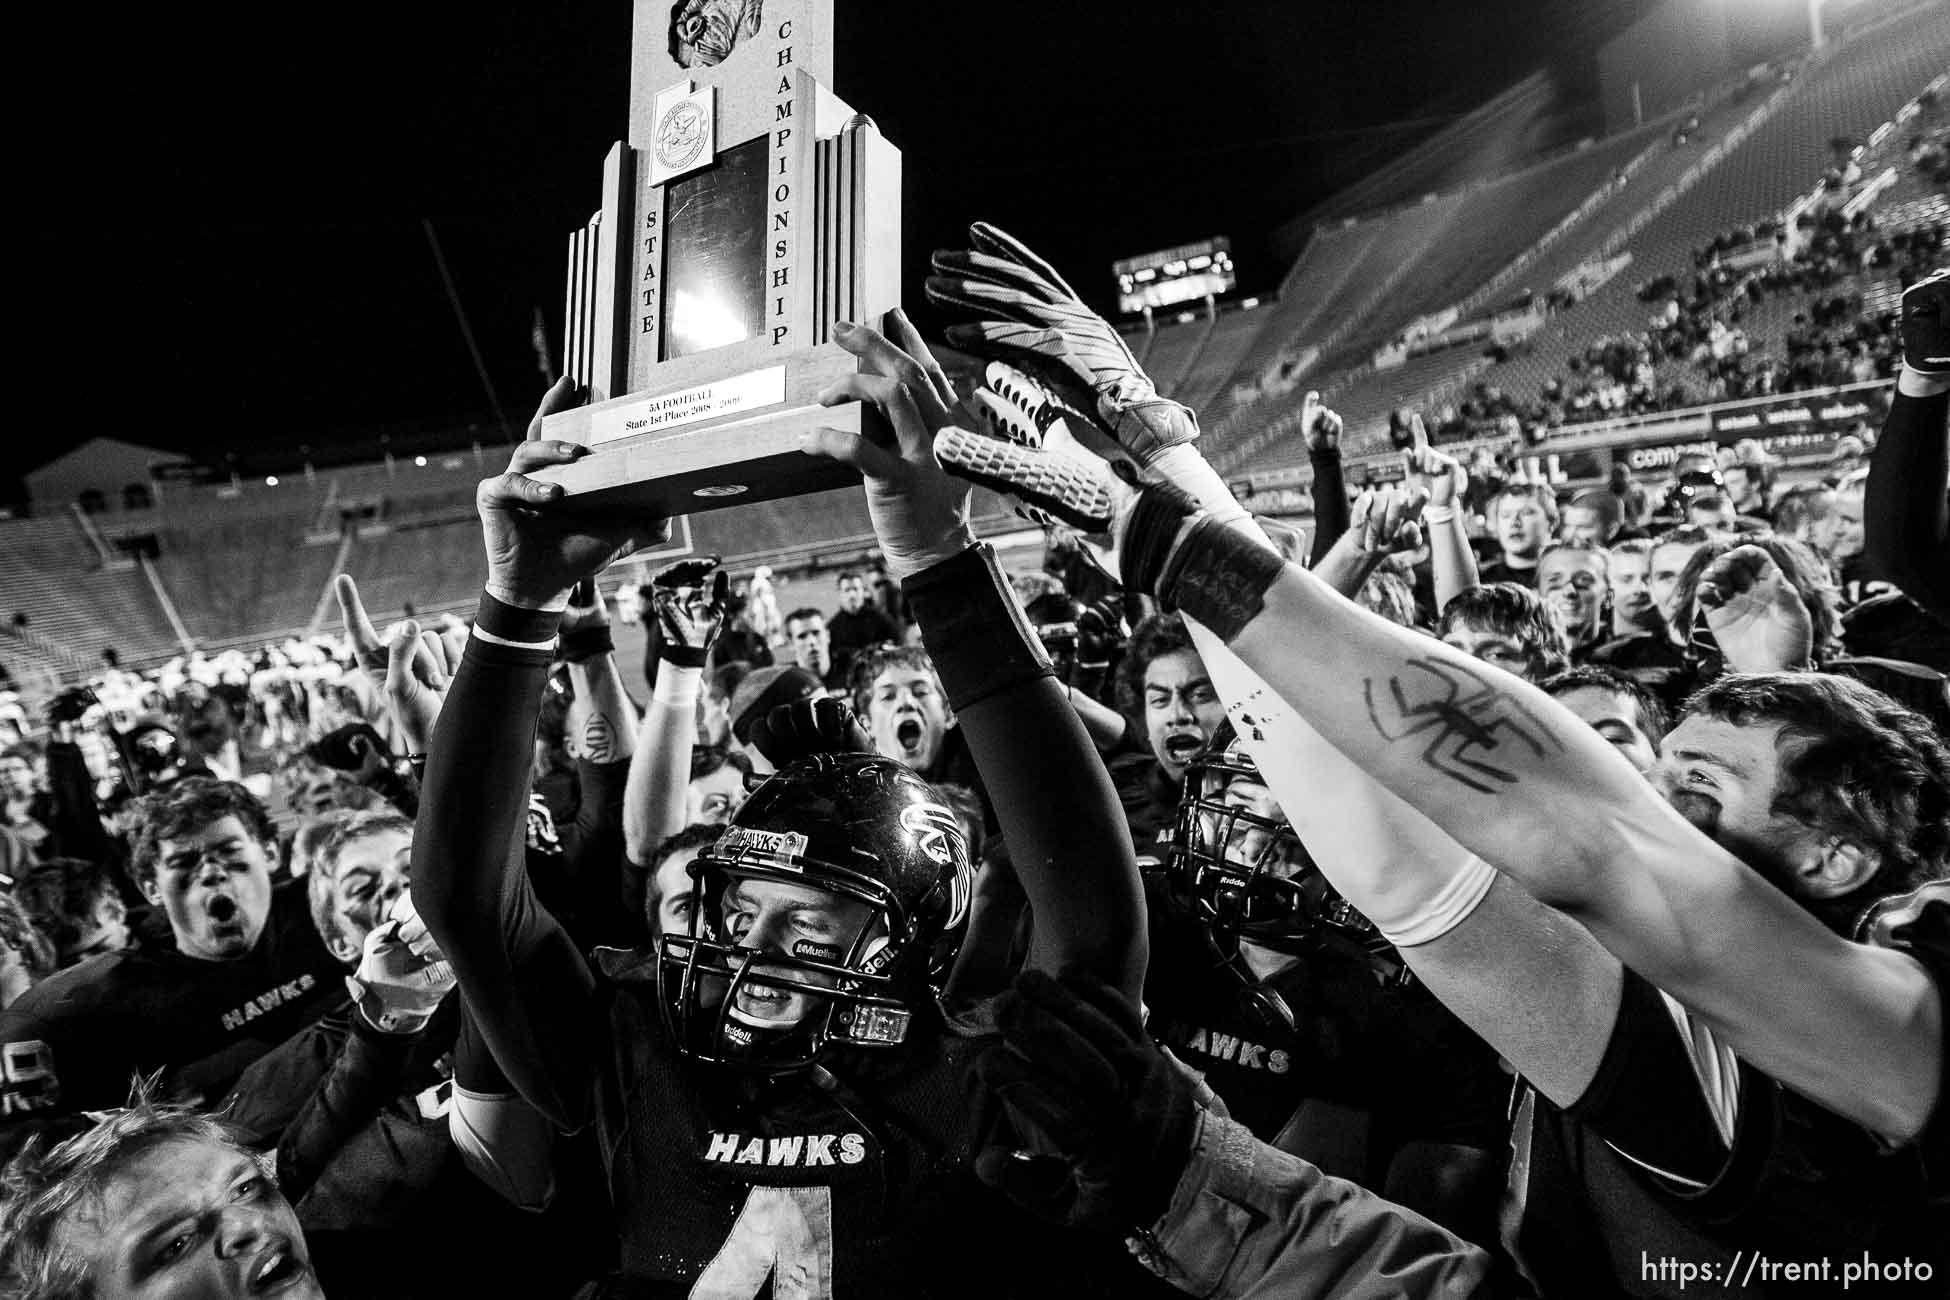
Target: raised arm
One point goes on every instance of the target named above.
(1323, 439)
(688, 607)
(1445, 480)
(1522, 783)
(1055, 801)
(528, 986)
(1904, 510)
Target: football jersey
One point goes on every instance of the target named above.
(74, 1041)
(1367, 1066)
(732, 1187)
(1678, 1153)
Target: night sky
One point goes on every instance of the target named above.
(224, 241)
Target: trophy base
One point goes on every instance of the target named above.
(731, 441)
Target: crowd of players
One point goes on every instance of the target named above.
(1559, 912)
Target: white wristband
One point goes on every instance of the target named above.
(1439, 515)
(677, 687)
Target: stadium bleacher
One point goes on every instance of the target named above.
(1472, 220)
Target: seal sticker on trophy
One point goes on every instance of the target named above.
(747, 211)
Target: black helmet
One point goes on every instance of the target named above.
(1270, 891)
(855, 828)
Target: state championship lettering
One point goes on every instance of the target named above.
(268, 1001)
(800, 1151)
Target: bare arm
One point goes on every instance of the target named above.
(688, 600)
(1529, 981)
(1450, 553)
(1521, 782)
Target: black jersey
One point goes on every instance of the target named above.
(825, 1186)
(1367, 1069)
(73, 1041)
(1679, 1154)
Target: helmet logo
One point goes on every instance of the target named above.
(931, 824)
(743, 841)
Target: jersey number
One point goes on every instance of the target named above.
(784, 1233)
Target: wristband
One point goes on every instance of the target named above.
(1154, 524)
(1438, 515)
(1219, 576)
(586, 643)
(678, 655)
(974, 629)
(678, 688)
(511, 624)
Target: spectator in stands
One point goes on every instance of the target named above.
(1851, 567)
(1635, 502)
(76, 904)
(1572, 577)
(1596, 515)
(1749, 476)
(714, 702)
(1615, 706)
(1806, 513)
(27, 956)
(1670, 552)
(1521, 523)
(812, 646)
(245, 971)
(1508, 625)
(28, 807)
(84, 1218)
(860, 623)
(1628, 568)
(1713, 512)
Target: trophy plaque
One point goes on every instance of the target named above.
(748, 210)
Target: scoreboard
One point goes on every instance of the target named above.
(1187, 273)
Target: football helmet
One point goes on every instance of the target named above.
(1247, 875)
(864, 830)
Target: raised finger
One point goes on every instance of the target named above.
(1419, 438)
(352, 613)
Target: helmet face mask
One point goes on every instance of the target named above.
(1245, 873)
(834, 935)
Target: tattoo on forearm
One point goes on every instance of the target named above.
(599, 739)
(1470, 729)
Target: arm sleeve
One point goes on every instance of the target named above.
(530, 990)
(1904, 508)
(366, 1074)
(592, 852)
(502, 1140)
(1330, 501)
(1248, 1221)
(1054, 799)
